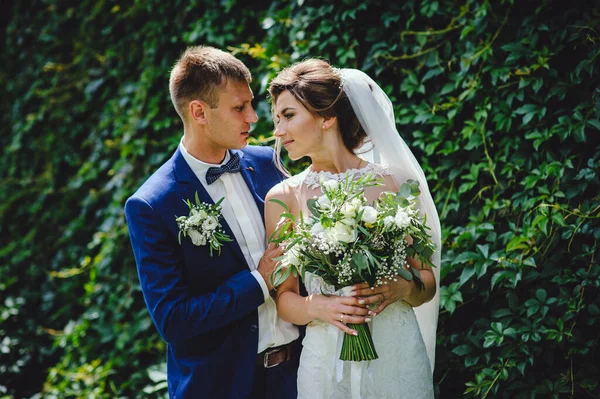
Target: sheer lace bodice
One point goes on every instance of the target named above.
(305, 185)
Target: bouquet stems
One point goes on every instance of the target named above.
(360, 347)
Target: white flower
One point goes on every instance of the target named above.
(196, 237)
(292, 256)
(330, 185)
(210, 223)
(349, 222)
(348, 210)
(402, 219)
(340, 233)
(200, 225)
(388, 220)
(317, 228)
(356, 203)
(369, 214)
(323, 202)
(195, 218)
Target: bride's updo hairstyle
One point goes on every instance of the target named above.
(318, 87)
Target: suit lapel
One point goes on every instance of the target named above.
(248, 171)
(189, 185)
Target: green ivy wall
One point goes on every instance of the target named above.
(499, 100)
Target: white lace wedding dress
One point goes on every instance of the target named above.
(403, 369)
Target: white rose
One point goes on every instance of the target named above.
(316, 229)
(195, 218)
(369, 214)
(196, 237)
(349, 222)
(340, 233)
(402, 219)
(348, 210)
(292, 257)
(210, 223)
(330, 185)
(324, 202)
(388, 220)
(356, 203)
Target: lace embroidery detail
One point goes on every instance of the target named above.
(296, 180)
(312, 179)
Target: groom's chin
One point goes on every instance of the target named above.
(242, 143)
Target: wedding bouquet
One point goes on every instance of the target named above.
(202, 225)
(346, 240)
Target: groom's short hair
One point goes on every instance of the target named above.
(199, 74)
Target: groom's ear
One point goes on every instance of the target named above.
(197, 110)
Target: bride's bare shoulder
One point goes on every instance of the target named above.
(286, 190)
(281, 192)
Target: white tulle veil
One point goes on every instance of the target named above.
(376, 115)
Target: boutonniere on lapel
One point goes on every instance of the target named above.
(203, 225)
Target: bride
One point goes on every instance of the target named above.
(344, 122)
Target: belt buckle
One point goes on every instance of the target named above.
(266, 359)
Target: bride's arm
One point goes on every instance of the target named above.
(293, 307)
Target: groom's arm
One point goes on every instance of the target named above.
(176, 313)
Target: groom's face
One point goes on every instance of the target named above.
(229, 122)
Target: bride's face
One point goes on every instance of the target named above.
(299, 130)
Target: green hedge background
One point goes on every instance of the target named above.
(499, 100)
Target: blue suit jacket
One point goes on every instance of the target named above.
(204, 307)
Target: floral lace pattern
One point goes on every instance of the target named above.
(312, 179)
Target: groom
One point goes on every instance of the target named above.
(224, 339)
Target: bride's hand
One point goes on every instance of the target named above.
(338, 310)
(383, 295)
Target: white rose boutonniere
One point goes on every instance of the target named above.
(202, 225)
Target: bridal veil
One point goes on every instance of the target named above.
(376, 115)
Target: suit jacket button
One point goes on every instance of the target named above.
(253, 327)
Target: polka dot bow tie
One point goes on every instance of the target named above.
(232, 166)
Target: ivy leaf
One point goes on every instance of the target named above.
(595, 123)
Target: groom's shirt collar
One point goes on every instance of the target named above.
(200, 167)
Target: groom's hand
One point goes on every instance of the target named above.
(267, 264)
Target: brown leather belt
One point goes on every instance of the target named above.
(275, 356)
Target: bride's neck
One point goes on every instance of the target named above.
(335, 161)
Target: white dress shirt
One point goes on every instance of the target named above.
(272, 330)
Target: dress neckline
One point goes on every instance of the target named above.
(352, 171)
(313, 178)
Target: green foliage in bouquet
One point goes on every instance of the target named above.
(347, 240)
